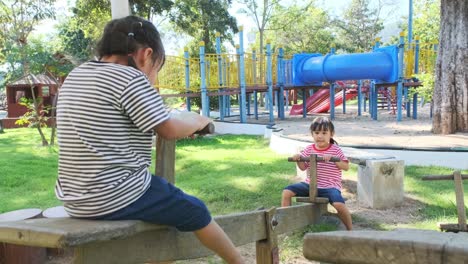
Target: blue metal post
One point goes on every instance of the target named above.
(332, 100)
(374, 100)
(242, 106)
(359, 98)
(204, 94)
(344, 99)
(187, 78)
(280, 83)
(401, 49)
(254, 73)
(269, 81)
(304, 99)
(375, 91)
(332, 91)
(416, 71)
(220, 76)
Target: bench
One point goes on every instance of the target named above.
(405, 246)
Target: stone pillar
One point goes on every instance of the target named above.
(380, 183)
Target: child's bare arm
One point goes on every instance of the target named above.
(342, 165)
(300, 164)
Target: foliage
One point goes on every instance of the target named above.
(301, 29)
(150, 8)
(427, 20)
(42, 58)
(33, 118)
(359, 27)
(91, 16)
(202, 19)
(17, 19)
(73, 41)
(427, 89)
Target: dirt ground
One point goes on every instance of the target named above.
(351, 129)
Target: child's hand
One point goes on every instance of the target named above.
(297, 157)
(326, 158)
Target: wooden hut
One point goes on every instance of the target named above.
(43, 86)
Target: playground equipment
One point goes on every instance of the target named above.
(313, 159)
(241, 74)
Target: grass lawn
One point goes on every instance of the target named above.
(230, 173)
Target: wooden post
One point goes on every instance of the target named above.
(313, 177)
(267, 249)
(457, 178)
(460, 201)
(165, 159)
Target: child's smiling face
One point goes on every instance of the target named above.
(322, 138)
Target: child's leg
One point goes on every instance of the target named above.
(214, 238)
(286, 197)
(296, 189)
(344, 215)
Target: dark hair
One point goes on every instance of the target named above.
(323, 124)
(126, 35)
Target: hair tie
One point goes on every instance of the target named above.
(131, 34)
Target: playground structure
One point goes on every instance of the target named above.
(222, 75)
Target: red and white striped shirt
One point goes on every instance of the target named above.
(328, 174)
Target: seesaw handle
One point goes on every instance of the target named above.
(306, 159)
(208, 129)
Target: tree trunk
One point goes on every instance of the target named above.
(451, 80)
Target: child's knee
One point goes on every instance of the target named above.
(288, 194)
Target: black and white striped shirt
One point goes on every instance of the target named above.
(105, 116)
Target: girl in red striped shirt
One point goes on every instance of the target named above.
(328, 173)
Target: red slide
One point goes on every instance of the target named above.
(319, 102)
(311, 102)
(324, 106)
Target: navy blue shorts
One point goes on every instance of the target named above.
(165, 204)
(302, 189)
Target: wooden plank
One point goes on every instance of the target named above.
(406, 246)
(442, 177)
(298, 216)
(318, 200)
(136, 241)
(460, 200)
(447, 227)
(165, 158)
(68, 232)
(267, 249)
(169, 244)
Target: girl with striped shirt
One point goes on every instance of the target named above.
(107, 114)
(328, 173)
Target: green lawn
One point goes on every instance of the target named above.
(230, 173)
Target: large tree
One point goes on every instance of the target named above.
(18, 19)
(261, 12)
(301, 29)
(451, 82)
(201, 20)
(359, 26)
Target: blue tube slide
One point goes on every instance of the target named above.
(380, 65)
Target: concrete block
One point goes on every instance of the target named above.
(380, 183)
